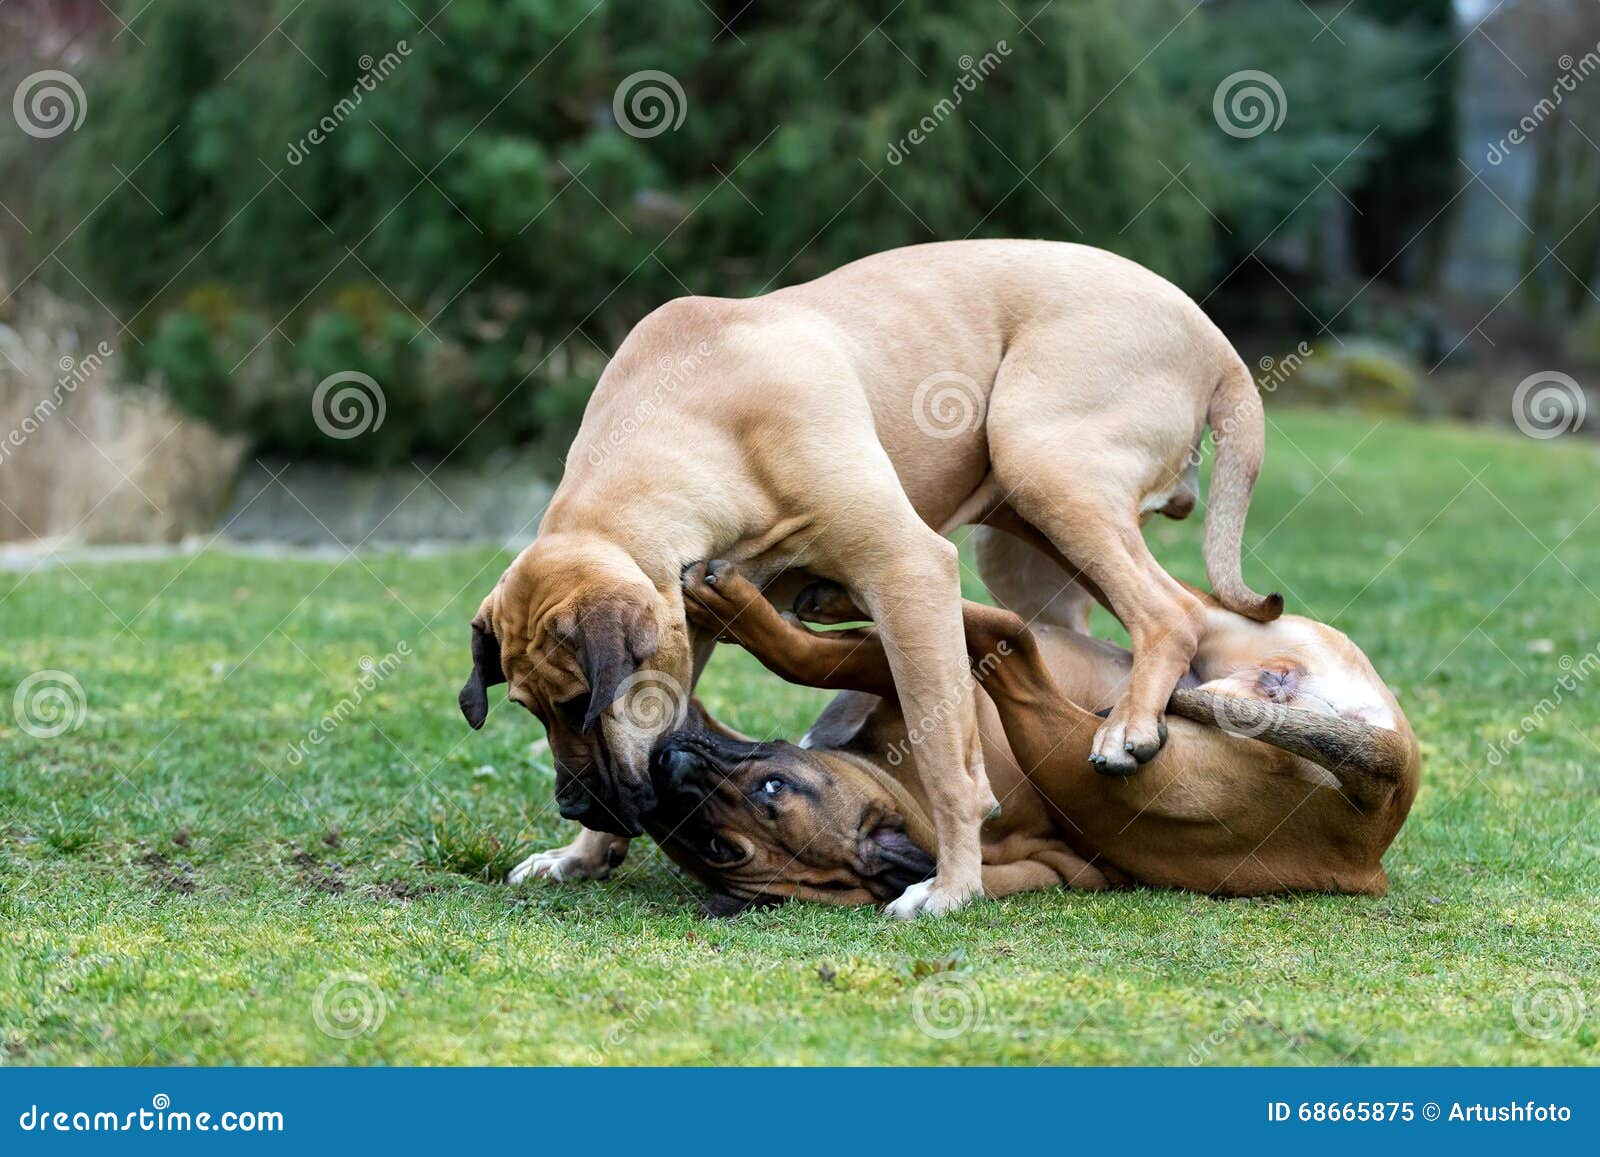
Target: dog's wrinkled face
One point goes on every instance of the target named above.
(763, 822)
(601, 660)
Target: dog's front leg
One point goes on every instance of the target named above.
(589, 857)
(916, 602)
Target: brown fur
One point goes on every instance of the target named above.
(822, 430)
(1251, 795)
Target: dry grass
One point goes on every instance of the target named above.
(84, 460)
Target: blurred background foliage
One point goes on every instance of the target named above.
(477, 232)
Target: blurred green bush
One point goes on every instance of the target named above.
(454, 209)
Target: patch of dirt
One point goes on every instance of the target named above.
(166, 876)
(399, 891)
(314, 874)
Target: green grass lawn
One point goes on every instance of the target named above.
(184, 884)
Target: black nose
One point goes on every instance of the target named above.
(676, 766)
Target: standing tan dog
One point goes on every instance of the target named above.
(1303, 791)
(838, 429)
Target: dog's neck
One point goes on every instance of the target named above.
(661, 528)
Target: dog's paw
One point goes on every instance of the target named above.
(715, 593)
(1121, 745)
(568, 863)
(931, 898)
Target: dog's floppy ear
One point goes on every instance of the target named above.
(610, 641)
(486, 671)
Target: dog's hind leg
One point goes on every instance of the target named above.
(1025, 580)
(1090, 511)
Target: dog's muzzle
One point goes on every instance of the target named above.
(596, 799)
(675, 769)
(686, 763)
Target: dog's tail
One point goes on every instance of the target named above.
(1369, 761)
(1238, 428)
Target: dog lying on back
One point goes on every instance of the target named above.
(1289, 766)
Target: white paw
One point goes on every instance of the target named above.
(928, 898)
(911, 901)
(558, 864)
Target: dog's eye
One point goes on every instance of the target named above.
(573, 710)
(772, 785)
(718, 852)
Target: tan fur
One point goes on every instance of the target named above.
(820, 429)
(1296, 795)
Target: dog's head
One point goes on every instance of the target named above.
(603, 659)
(763, 822)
